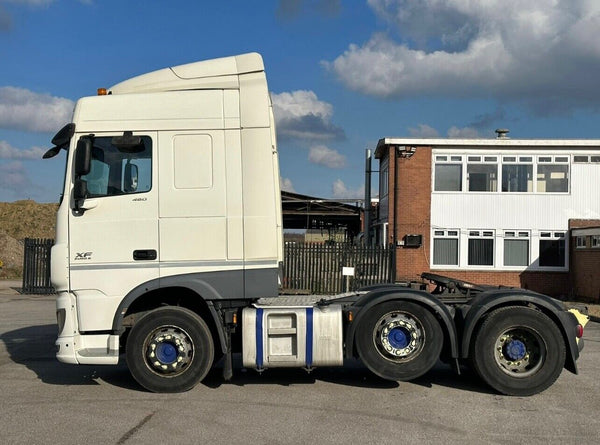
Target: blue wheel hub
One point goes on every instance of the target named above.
(169, 350)
(166, 352)
(399, 338)
(515, 350)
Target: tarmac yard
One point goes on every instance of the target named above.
(45, 401)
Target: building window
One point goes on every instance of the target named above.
(481, 248)
(595, 241)
(552, 249)
(509, 173)
(517, 174)
(553, 174)
(580, 242)
(383, 181)
(448, 174)
(445, 247)
(516, 248)
(482, 173)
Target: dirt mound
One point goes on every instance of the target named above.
(11, 255)
(27, 219)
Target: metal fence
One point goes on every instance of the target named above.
(36, 266)
(318, 268)
(312, 267)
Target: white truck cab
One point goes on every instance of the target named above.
(177, 185)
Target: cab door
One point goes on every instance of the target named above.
(113, 229)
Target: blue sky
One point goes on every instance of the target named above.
(342, 74)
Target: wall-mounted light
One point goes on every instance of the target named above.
(406, 151)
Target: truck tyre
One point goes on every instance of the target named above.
(169, 349)
(399, 340)
(518, 351)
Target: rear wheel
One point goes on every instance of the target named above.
(518, 351)
(399, 340)
(169, 350)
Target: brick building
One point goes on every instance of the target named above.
(493, 211)
(585, 260)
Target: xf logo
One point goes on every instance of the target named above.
(83, 256)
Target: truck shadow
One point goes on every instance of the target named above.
(33, 347)
(354, 374)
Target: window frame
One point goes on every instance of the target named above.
(120, 162)
(554, 236)
(445, 234)
(448, 160)
(481, 234)
(516, 235)
(482, 160)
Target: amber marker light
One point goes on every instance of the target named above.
(102, 92)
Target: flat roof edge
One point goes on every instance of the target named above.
(439, 142)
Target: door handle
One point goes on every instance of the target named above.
(144, 255)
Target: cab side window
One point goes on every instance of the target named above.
(118, 172)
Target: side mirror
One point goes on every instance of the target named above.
(60, 140)
(83, 156)
(80, 192)
(130, 180)
(64, 135)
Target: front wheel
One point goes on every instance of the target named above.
(518, 351)
(399, 340)
(169, 349)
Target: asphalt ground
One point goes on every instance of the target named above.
(44, 401)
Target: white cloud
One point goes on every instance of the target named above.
(328, 157)
(301, 115)
(22, 109)
(7, 151)
(13, 176)
(541, 52)
(463, 133)
(286, 185)
(341, 191)
(423, 131)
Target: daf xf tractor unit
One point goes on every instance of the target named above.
(169, 247)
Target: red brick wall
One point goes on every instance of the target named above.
(585, 264)
(550, 283)
(585, 276)
(413, 211)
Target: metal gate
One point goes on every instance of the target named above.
(318, 268)
(36, 266)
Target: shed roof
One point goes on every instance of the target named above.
(309, 212)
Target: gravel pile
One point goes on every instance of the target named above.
(11, 255)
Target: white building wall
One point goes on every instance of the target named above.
(503, 211)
